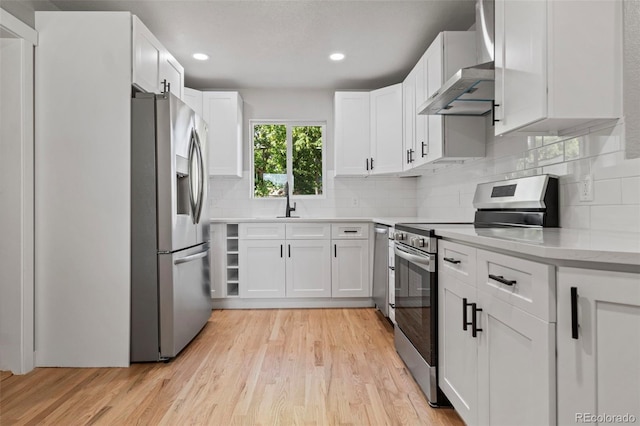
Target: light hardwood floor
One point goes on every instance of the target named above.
(247, 367)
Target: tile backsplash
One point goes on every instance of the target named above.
(344, 197)
(447, 193)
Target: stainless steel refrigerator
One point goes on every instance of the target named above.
(170, 289)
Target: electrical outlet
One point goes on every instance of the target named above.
(586, 188)
(355, 202)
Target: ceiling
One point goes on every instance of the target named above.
(286, 44)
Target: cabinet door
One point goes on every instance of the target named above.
(193, 98)
(409, 113)
(421, 121)
(457, 349)
(173, 73)
(308, 268)
(516, 366)
(223, 113)
(386, 130)
(261, 265)
(434, 77)
(350, 269)
(147, 56)
(352, 131)
(520, 63)
(599, 371)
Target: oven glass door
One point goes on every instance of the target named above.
(415, 292)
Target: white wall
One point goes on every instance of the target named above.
(16, 195)
(344, 197)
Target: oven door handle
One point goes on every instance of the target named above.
(422, 260)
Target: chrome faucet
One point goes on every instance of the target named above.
(289, 208)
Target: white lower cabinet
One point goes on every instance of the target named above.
(497, 362)
(598, 346)
(516, 365)
(458, 350)
(350, 269)
(262, 268)
(308, 268)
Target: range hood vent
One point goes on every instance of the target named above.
(470, 91)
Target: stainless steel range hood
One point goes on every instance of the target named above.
(470, 91)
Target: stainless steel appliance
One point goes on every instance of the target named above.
(530, 202)
(381, 268)
(170, 289)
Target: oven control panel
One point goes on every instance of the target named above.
(421, 242)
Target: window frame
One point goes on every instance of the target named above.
(289, 142)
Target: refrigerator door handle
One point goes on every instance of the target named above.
(191, 257)
(200, 201)
(192, 201)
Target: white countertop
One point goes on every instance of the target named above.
(560, 244)
(389, 221)
(288, 219)
(553, 243)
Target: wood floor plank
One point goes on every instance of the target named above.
(246, 367)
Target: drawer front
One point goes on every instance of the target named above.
(349, 230)
(522, 283)
(457, 260)
(308, 231)
(261, 231)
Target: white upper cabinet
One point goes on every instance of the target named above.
(449, 138)
(352, 129)
(193, 98)
(171, 73)
(558, 64)
(386, 130)
(223, 113)
(409, 116)
(155, 70)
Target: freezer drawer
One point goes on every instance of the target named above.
(185, 297)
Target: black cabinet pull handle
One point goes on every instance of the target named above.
(493, 113)
(502, 279)
(392, 268)
(367, 163)
(465, 305)
(452, 260)
(281, 249)
(411, 151)
(422, 150)
(350, 231)
(371, 163)
(393, 305)
(335, 250)
(574, 313)
(289, 247)
(408, 161)
(474, 320)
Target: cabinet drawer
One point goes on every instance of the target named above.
(349, 230)
(522, 283)
(261, 231)
(306, 231)
(457, 260)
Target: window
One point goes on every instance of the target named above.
(290, 152)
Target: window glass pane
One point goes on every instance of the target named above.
(269, 159)
(307, 160)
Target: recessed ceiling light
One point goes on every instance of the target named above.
(200, 56)
(336, 56)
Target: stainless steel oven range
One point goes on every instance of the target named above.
(416, 293)
(530, 202)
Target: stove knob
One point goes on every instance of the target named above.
(399, 236)
(417, 242)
